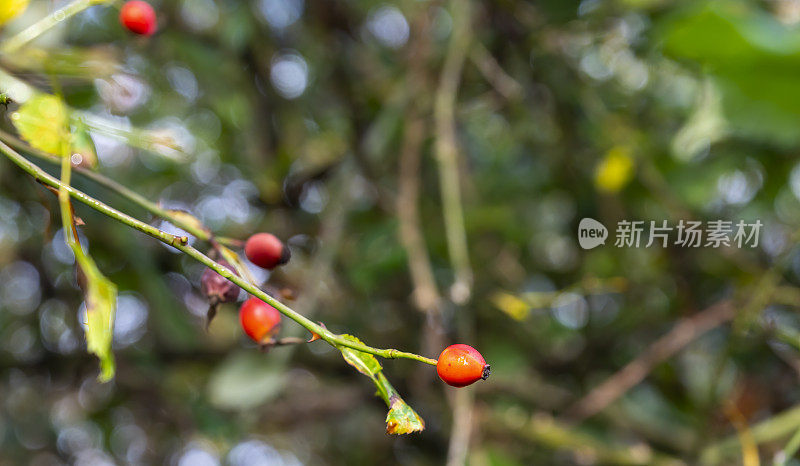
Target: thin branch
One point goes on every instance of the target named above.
(507, 86)
(447, 149)
(127, 193)
(181, 243)
(683, 333)
(542, 429)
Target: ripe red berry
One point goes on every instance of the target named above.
(266, 250)
(260, 321)
(461, 365)
(138, 17)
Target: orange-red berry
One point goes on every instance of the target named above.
(266, 250)
(461, 365)
(138, 17)
(259, 320)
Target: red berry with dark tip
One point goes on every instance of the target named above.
(260, 321)
(461, 365)
(266, 250)
(138, 17)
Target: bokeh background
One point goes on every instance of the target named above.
(338, 126)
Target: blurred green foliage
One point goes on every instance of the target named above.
(295, 116)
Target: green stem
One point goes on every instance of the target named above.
(38, 28)
(127, 193)
(180, 243)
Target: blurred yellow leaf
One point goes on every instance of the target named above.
(515, 307)
(10, 9)
(614, 171)
(236, 261)
(43, 122)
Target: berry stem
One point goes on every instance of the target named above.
(38, 28)
(333, 339)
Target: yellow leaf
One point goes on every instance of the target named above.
(10, 9)
(614, 171)
(43, 122)
(515, 307)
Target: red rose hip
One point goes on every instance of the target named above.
(461, 365)
(259, 320)
(138, 17)
(266, 250)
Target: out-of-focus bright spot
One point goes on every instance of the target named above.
(774, 239)
(513, 306)
(111, 151)
(74, 439)
(20, 342)
(280, 14)
(704, 127)
(289, 75)
(198, 455)
(20, 290)
(205, 167)
(9, 216)
(10, 9)
(170, 138)
(314, 197)
(254, 453)
(62, 251)
(555, 250)
(183, 81)
(787, 11)
(57, 335)
(129, 442)
(593, 65)
(736, 189)
(122, 92)
(614, 171)
(389, 26)
(571, 310)
(130, 321)
(199, 15)
(94, 457)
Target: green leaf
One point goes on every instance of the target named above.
(43, 122)
(401, 419)
(742, 47)
(101, 304)
(365, 363)
(99, 292)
